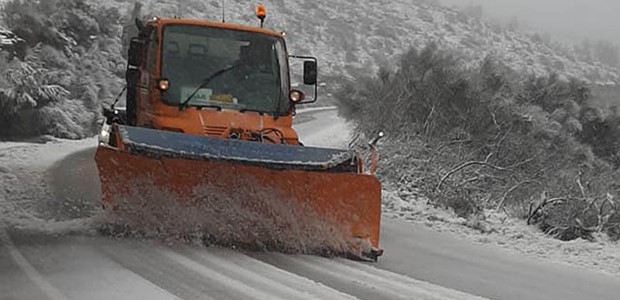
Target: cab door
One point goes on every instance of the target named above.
(132, 78)
(140, 77)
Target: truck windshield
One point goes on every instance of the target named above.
(255, 77)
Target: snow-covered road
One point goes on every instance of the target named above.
(49, 250)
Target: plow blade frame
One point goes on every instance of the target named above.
(323, 183)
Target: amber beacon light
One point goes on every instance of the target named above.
(261, 13)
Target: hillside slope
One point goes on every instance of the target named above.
(78, 48)
(354, 37)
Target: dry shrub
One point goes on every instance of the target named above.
(470, 138)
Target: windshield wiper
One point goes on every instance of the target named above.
(201, 106)
(204, 83)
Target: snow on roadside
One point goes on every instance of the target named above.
(514, 235)
(335, 135)
(23, 186)
(41, 155)
(315, 109)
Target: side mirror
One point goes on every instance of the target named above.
(310, 78)
(136, 51)
(310, 72)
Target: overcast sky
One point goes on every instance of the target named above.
(573, 19)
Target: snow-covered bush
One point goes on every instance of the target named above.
(11, 44)
(27, 90)
(471, 138)
(72, 63)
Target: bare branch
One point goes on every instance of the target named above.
(467, 164)
(580, 225)
(499, 143)
(495, 121)
(438, 149)
(520, 163)
(555, 231)
(501, 203)
(541, 205)
(583, 192)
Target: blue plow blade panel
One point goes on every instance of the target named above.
(158, 143)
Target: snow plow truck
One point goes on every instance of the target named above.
(205, 142)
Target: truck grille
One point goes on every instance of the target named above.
(215, 130)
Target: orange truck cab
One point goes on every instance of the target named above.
(213, 79)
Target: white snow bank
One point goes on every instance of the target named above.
(40, 156)
(314, 109)
(498, 229)
(326, 130)
(23, 187)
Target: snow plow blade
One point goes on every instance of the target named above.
(290, 198)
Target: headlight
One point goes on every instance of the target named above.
(104, 134)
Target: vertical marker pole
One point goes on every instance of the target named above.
(223, 11)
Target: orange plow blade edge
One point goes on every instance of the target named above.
(290, 198)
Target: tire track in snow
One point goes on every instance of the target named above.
(360, 279)
(218, 278)
(213, 273)
(77, 268)
(260, 274)
(36, 277)
(164, 273)
(401, 282)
